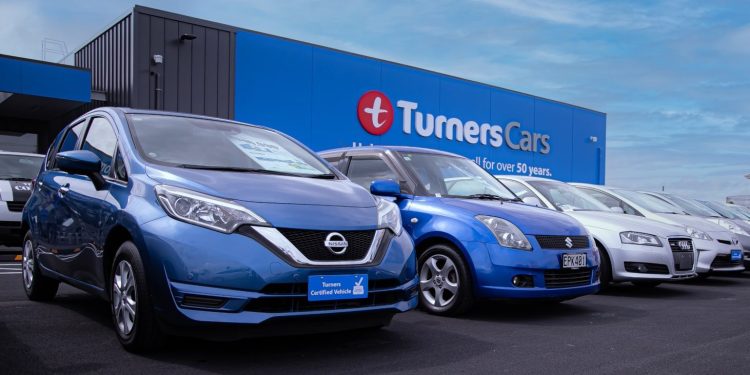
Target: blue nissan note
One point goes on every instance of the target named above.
(474, 238)
(190, 225)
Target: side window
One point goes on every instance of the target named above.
(101, 140)
(337, 161)
(120, 172)
(519, 189)
(69, 142)
(362, 171)
(611, 201)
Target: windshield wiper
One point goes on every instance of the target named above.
(493, 197)
(253, 170)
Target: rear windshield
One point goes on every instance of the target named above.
(19, 167)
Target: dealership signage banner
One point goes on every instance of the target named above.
(329, 99)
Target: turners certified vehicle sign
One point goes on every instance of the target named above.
(336, 287)
(270, 155)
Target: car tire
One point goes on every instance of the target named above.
(132, 312)
(445, 286)
(646, 284)
(605, 269)
(37, 286)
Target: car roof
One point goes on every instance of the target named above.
(20, 153)
(391, 148)
(130, 111)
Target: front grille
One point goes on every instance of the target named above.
(559, 242)
(725, 261)
(300, 303)
(205, 302)
(674, 244)
(15, 206)
(301, 288)
(311, 243)
(637, 267)
(567, 278)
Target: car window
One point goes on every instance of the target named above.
(566, 197)
(611, 201)
(363, 171)
(519, 189)
(101, 140)
(19, 167)
(120, 172)
(69, 142)
(336, 161)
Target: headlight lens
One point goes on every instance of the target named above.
(204, 210)
(698, 234)
(638, 238)
(732, 227)
(389, 216)
(507, 234)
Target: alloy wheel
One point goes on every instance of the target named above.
(28, 264)
(438, 280)
(124, 297)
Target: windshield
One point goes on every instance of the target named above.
(721, 210)
(649, 202)
(212, 144)
(693, 207)
(566, 197)
(740, 210)
(451, 176)
(19, 167)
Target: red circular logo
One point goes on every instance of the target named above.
(375, 112)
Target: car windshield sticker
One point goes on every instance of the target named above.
(271, 156)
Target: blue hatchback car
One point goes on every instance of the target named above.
(190, 225)
(474, 238)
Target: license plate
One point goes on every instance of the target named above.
(736, 255)
(574, 260)
(336, 287)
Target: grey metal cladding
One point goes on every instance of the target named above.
(196, 76)
(108, 56)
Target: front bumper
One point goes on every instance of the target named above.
(713, 256)
(255, 287)
(495, 267)
(647, 263)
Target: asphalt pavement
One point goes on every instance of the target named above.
(696, 327)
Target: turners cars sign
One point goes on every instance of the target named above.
(327, 99)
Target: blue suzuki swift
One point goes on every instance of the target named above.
(474, 238)
(190, 225)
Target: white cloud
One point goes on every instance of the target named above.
(737, 41)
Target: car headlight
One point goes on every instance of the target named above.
(732, 227)
(505, 232)
(698, 234)
(638, 238)
(204, 210)
(389, 216)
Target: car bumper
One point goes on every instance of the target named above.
(647, 263)
(712, 257)
(256, 287)
(495, 267)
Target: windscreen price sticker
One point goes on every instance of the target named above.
(336, 287)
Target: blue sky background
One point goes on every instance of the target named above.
(673, 76)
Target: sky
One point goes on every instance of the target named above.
(672, 76)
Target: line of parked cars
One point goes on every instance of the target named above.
(189, 225)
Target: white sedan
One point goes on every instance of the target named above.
(635, 249)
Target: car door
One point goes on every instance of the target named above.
(53, 219)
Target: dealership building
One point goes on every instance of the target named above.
(326, 98)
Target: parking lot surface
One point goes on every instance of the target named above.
(693, 327)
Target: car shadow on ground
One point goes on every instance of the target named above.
(632, 291)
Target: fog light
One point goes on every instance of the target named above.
(523, 281)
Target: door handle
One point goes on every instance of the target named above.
(64, 189)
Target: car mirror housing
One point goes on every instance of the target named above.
(385, 188)
(81, 162)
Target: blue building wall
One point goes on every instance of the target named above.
(21, 76)
(312, 94)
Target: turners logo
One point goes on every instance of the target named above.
(375, 112)
(376, 115)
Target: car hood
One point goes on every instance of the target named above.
(529, 219)
(264, 188)
(621, 222)
(696, 222)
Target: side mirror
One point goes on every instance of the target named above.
(532, 201)
(385, 188)
(617, 209)
(82, 162)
